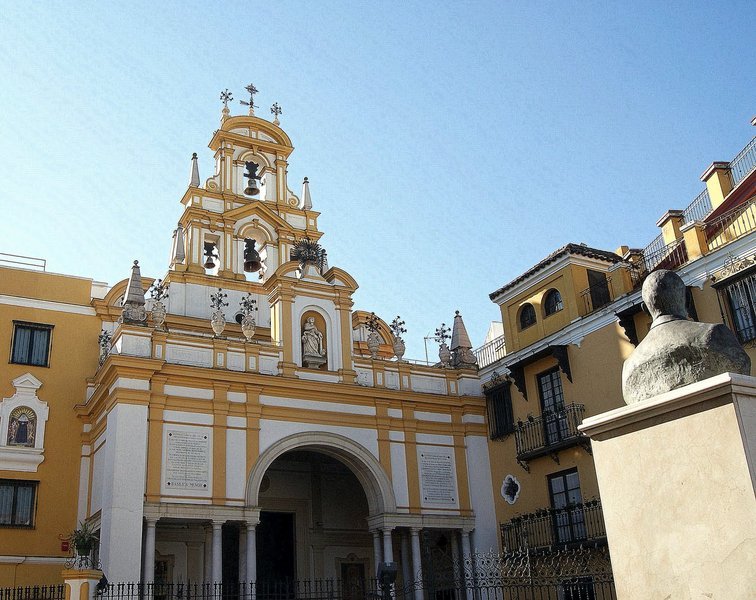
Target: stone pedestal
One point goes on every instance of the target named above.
(677, 474)
(81, 584)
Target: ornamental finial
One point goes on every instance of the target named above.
(275, 110)
(252, 91)
(226, 97)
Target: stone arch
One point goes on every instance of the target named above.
(359, 460)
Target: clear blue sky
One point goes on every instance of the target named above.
(450, 146)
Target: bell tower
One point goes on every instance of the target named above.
(246, 200)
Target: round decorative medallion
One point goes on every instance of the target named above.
(510, 489)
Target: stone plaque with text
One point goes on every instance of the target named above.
(437, 481)
(187, 464)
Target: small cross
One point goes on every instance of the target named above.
(252, 91)
(226, 97)
(275, 110)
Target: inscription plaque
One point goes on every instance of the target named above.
(187, 465)
(437, 477)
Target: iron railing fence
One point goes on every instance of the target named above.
(745, 162)
(34, 592)
(22, 262)
(731, 225)
(548, 432)
(698, 209)
(671, 256)
(552, 527)
(597, 295)
(570, 586)
(490, 352)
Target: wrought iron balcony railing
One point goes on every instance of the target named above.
(745, 162)
(732, 225)
(554, 527)
(698, 209)
(597, 295)
(549, 432)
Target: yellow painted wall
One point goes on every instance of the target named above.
(73, 358)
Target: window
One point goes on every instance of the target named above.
(31, 344)
(527, 316)
(740, 297)
(556, 427)
(553, 302)
(500, 419)
(17, 503)
(567, 502)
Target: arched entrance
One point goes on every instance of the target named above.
(315, 492)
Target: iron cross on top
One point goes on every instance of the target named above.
(252, 91)
(226, 97)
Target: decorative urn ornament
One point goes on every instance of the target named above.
(248, 309)
(373, 339)
(104, 342)
(158, 292)
(397, 328)
(218, 321)
(444, 354)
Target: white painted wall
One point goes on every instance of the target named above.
(481, 493)
(125, 468)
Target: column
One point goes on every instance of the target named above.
(388, 549)
(251, 575)
(459, 563)
(417, 562)
(466, 552)
(406, 560)
(208, 560)
(148, 575)
(217, 571)
(242, 554)
(377, 548)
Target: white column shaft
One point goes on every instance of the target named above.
(377, 549)
(251, 575)
(149, 552)
(388, 548)
(417, 563)
(217, 573)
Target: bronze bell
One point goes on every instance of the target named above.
(252, 189)
(252, 260)
(209, 247)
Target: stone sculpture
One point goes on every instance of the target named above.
(313, 354)
(677, 352)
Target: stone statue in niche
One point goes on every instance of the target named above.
(677, 352)
(313, 354)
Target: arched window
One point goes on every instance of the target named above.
(553, 302)
(22, 427)
(527, 316)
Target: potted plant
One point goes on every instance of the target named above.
(84, 539)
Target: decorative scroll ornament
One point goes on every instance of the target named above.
(104, 342)
(218, 320)
(444, 354)
(248, 309)
(397, 329)
(373, 339)
(158, 292)
(734, 264)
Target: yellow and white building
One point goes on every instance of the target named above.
(207, 452)
(569, 323)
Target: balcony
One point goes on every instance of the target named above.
(550, 528)
(549, 433)
(490, 352)
(732, 225)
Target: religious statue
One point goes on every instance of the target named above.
(677, 352)
(313, 354)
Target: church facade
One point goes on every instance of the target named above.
(235, 420)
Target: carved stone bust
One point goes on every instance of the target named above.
(677, 352)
